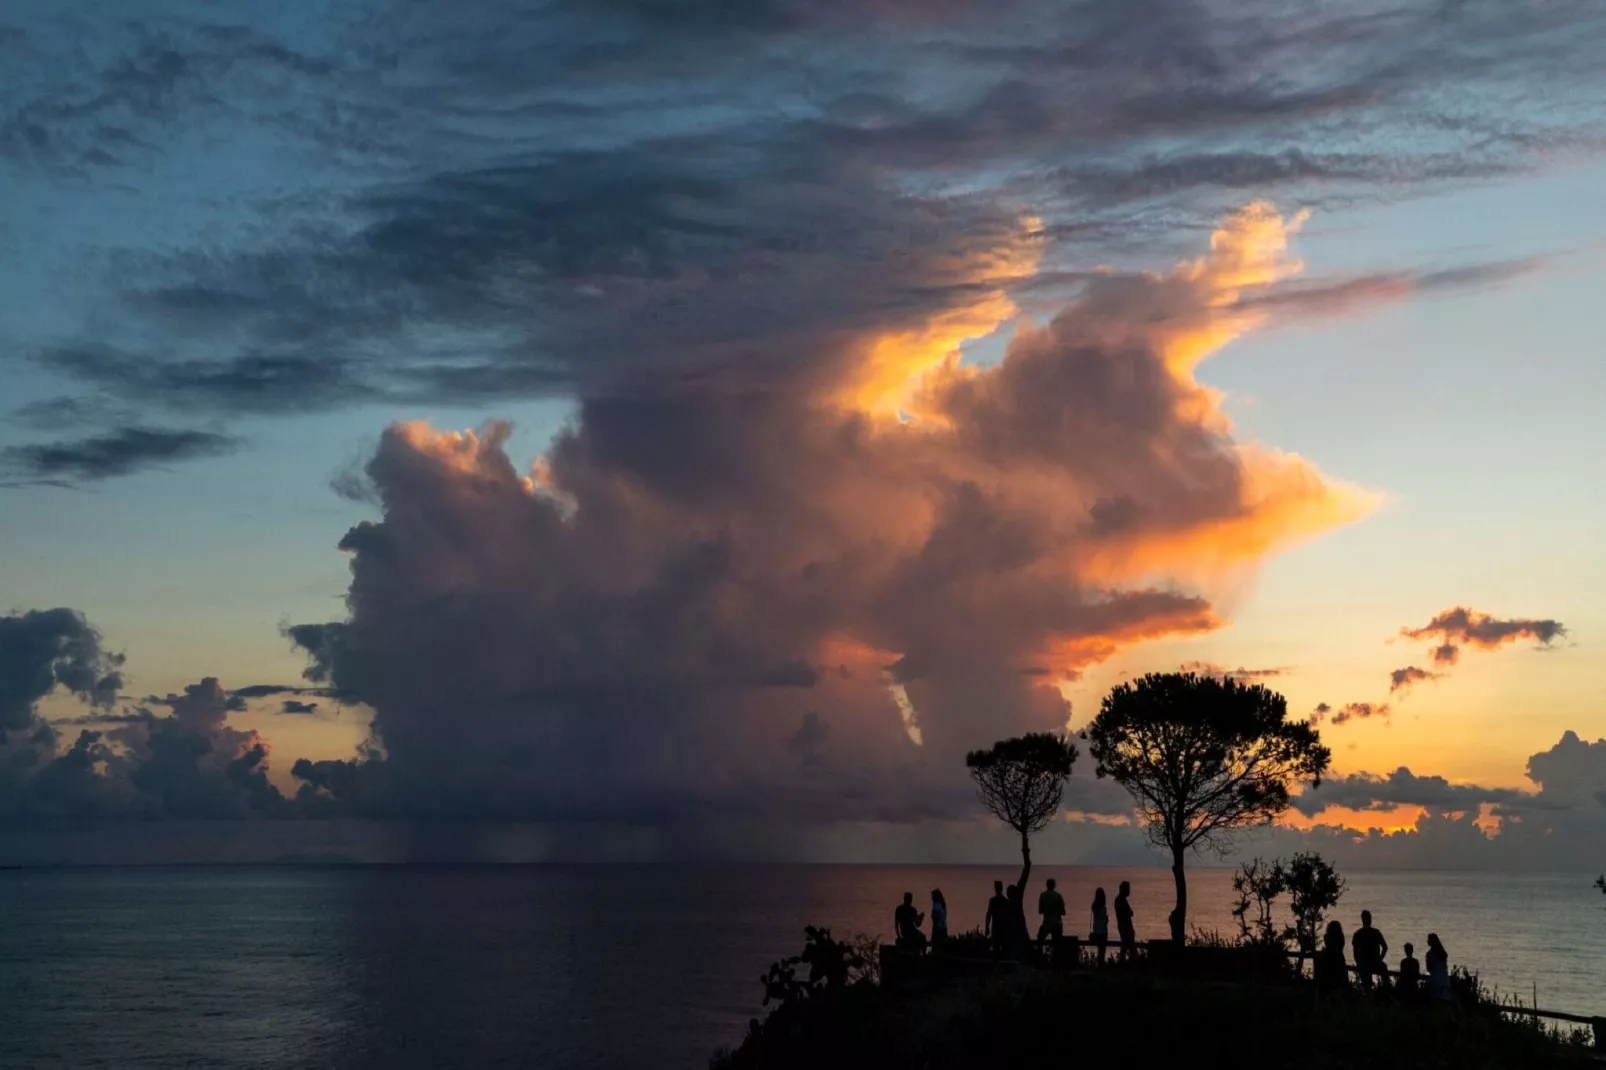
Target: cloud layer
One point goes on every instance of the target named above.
(686, 583)
(404, 210)
(792, 555)
(119, 453)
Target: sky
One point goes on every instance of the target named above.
(637, 429)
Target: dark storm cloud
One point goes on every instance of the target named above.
(741, 237)
(291, 705)
(119, 453)
(677, 191)
(45, 649)
(608, 638)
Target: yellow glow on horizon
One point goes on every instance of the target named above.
(1388, 820)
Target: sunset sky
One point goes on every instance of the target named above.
(706, 420)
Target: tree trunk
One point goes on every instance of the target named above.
(1179, 916)
(1025, 867)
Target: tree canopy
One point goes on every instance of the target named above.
(1202, 757)
(1314, 887)
(1021, 781)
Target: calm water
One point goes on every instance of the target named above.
(582, 966)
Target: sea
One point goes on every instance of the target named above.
(584, 966)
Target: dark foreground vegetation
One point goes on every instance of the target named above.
(1191, 1019)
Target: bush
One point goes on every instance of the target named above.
(970, 944)
(831, 964)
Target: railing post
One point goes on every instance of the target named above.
(1599, 1025)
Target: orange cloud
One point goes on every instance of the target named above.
(709, 572)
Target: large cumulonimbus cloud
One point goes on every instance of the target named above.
(689, 583)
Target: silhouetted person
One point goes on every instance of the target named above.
(998, 923)
(939, 919)
(1015, 937)
(906, 922)
(1370, 947)
(1438, 963)
(1101, 923)
(1332, 973)
(1051, 905)
(1123, 921)
(1409, 976)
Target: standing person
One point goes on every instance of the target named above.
(1410, 975)
(1438, 962)
(939, 919)
(1015, 935)
(1101, 923)
(997, 925)
(1370, 948)
(1123, 921)
(1332, 973)
(1051, 905)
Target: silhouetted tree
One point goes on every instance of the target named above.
(1314, 887)
(1203, 757)
(1258, 884)
(832, 964)
(1021, 781)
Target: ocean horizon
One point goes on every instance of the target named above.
(325, 963)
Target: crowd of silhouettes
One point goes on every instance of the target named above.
(1005, 926)
(1006, 931)
(1371, 967)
